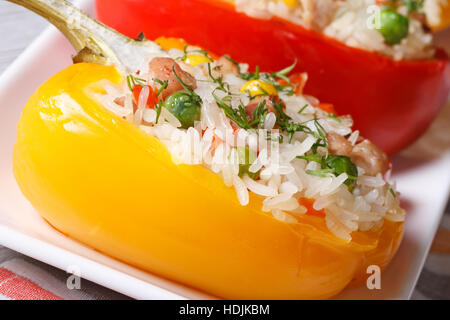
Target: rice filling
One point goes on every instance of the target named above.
(262, 135)
(353, 22)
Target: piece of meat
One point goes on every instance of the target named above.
(419, 16)
(226, 66)
(365, 154)
(120, 101)
(339, 145)
(317, 14)
(163, 69)
(371, 158)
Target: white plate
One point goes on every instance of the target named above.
(424, 186)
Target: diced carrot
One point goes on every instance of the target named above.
(152, 97)
(298, 80)
(308, 204)
(327, 107)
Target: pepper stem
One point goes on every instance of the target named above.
(94, 41)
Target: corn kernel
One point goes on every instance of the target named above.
(170, 43)
(259, 87)
(196, 59)
(290, 3)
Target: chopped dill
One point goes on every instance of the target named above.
(285, 124)
(133, 80)
(158, 107)
(186, 53)
(278, 138)
(163, 84)
(411, 5)
(334, 117)
(239, 115)
(302, 109)
(334, 164)
(195, 97)
(414, 6)
(393, 192)
(283, 74)
(223, 86)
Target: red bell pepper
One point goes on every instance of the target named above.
(392, 102)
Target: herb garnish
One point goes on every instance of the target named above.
(278, 137)
(329, 163)
(271, 78)
(334, 164)
(186, 53)
(186, 87)
(239, 115)
(414, 6)
(246, 75)
(334, 117)
(163, 84)
(285, 124)
(195, 98)
(223, 86)
(393, 192)
(302, 109)
(283, 73)
(320, 173)
(133, 80)
(159, 104)
(411, 5)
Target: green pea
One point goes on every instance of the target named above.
(393, 26)
(342, 164)
(185, 107)
(246, 158)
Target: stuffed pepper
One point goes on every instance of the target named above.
(190, 166)
(372, 59)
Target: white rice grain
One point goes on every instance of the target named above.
(259, 188)
(241, 190)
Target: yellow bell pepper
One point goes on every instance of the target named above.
(106, 183)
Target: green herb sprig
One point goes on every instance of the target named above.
(414, 6)
(285, 123)
(411, 5)
(159, 104)
(195, 97)
(288, 88)
(222, 85)
(132, 81)
(186, 53)
(239, 115)
(334, 164)
(393, 192)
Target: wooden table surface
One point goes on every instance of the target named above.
(18, 27)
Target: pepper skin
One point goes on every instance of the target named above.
(106, 183)
(392, 102)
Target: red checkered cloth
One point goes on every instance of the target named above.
(17, 287)
(22, 278)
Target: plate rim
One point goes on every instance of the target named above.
(9, 237)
